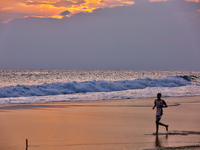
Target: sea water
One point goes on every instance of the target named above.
(42, 86)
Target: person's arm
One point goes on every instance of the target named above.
(164, 104)
(154, 105)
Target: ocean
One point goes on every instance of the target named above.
(43, 86)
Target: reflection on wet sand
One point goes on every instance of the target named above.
(158, 142)
(74, 126)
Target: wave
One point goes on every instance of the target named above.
(59, 88)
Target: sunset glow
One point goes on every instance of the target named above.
(193, 1)
(53, 8)
(99, 35)
(58, 9)
(168, 0)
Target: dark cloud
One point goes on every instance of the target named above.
(37, 3)
(64, 13)
(61, 3)
(64, 3)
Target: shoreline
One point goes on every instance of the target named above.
(171, 102)
(105, 124)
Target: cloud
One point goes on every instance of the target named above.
(37, 3)
(11, 9)
(144, 36)
(193, 1)
(64, 3)
(64, 13)
(6, 8)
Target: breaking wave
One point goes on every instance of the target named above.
(59, 88)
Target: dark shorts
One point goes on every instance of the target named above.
(158, 118)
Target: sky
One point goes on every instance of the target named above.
(100, 34)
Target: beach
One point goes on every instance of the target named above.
(105, 124)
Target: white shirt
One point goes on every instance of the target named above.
(159, 105)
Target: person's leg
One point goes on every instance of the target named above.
(157, 122)
(164, 125)
(157, 126)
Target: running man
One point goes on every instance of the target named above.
(160, 104)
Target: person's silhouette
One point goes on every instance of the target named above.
(159, 104)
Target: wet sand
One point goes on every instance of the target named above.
(100, 125)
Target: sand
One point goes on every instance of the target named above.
(100, 125)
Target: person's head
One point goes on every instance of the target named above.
(159, 95)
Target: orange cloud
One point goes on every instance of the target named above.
(169, 0)
(53, 8)
(6, 8)
(193, 1)
(158, 0)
